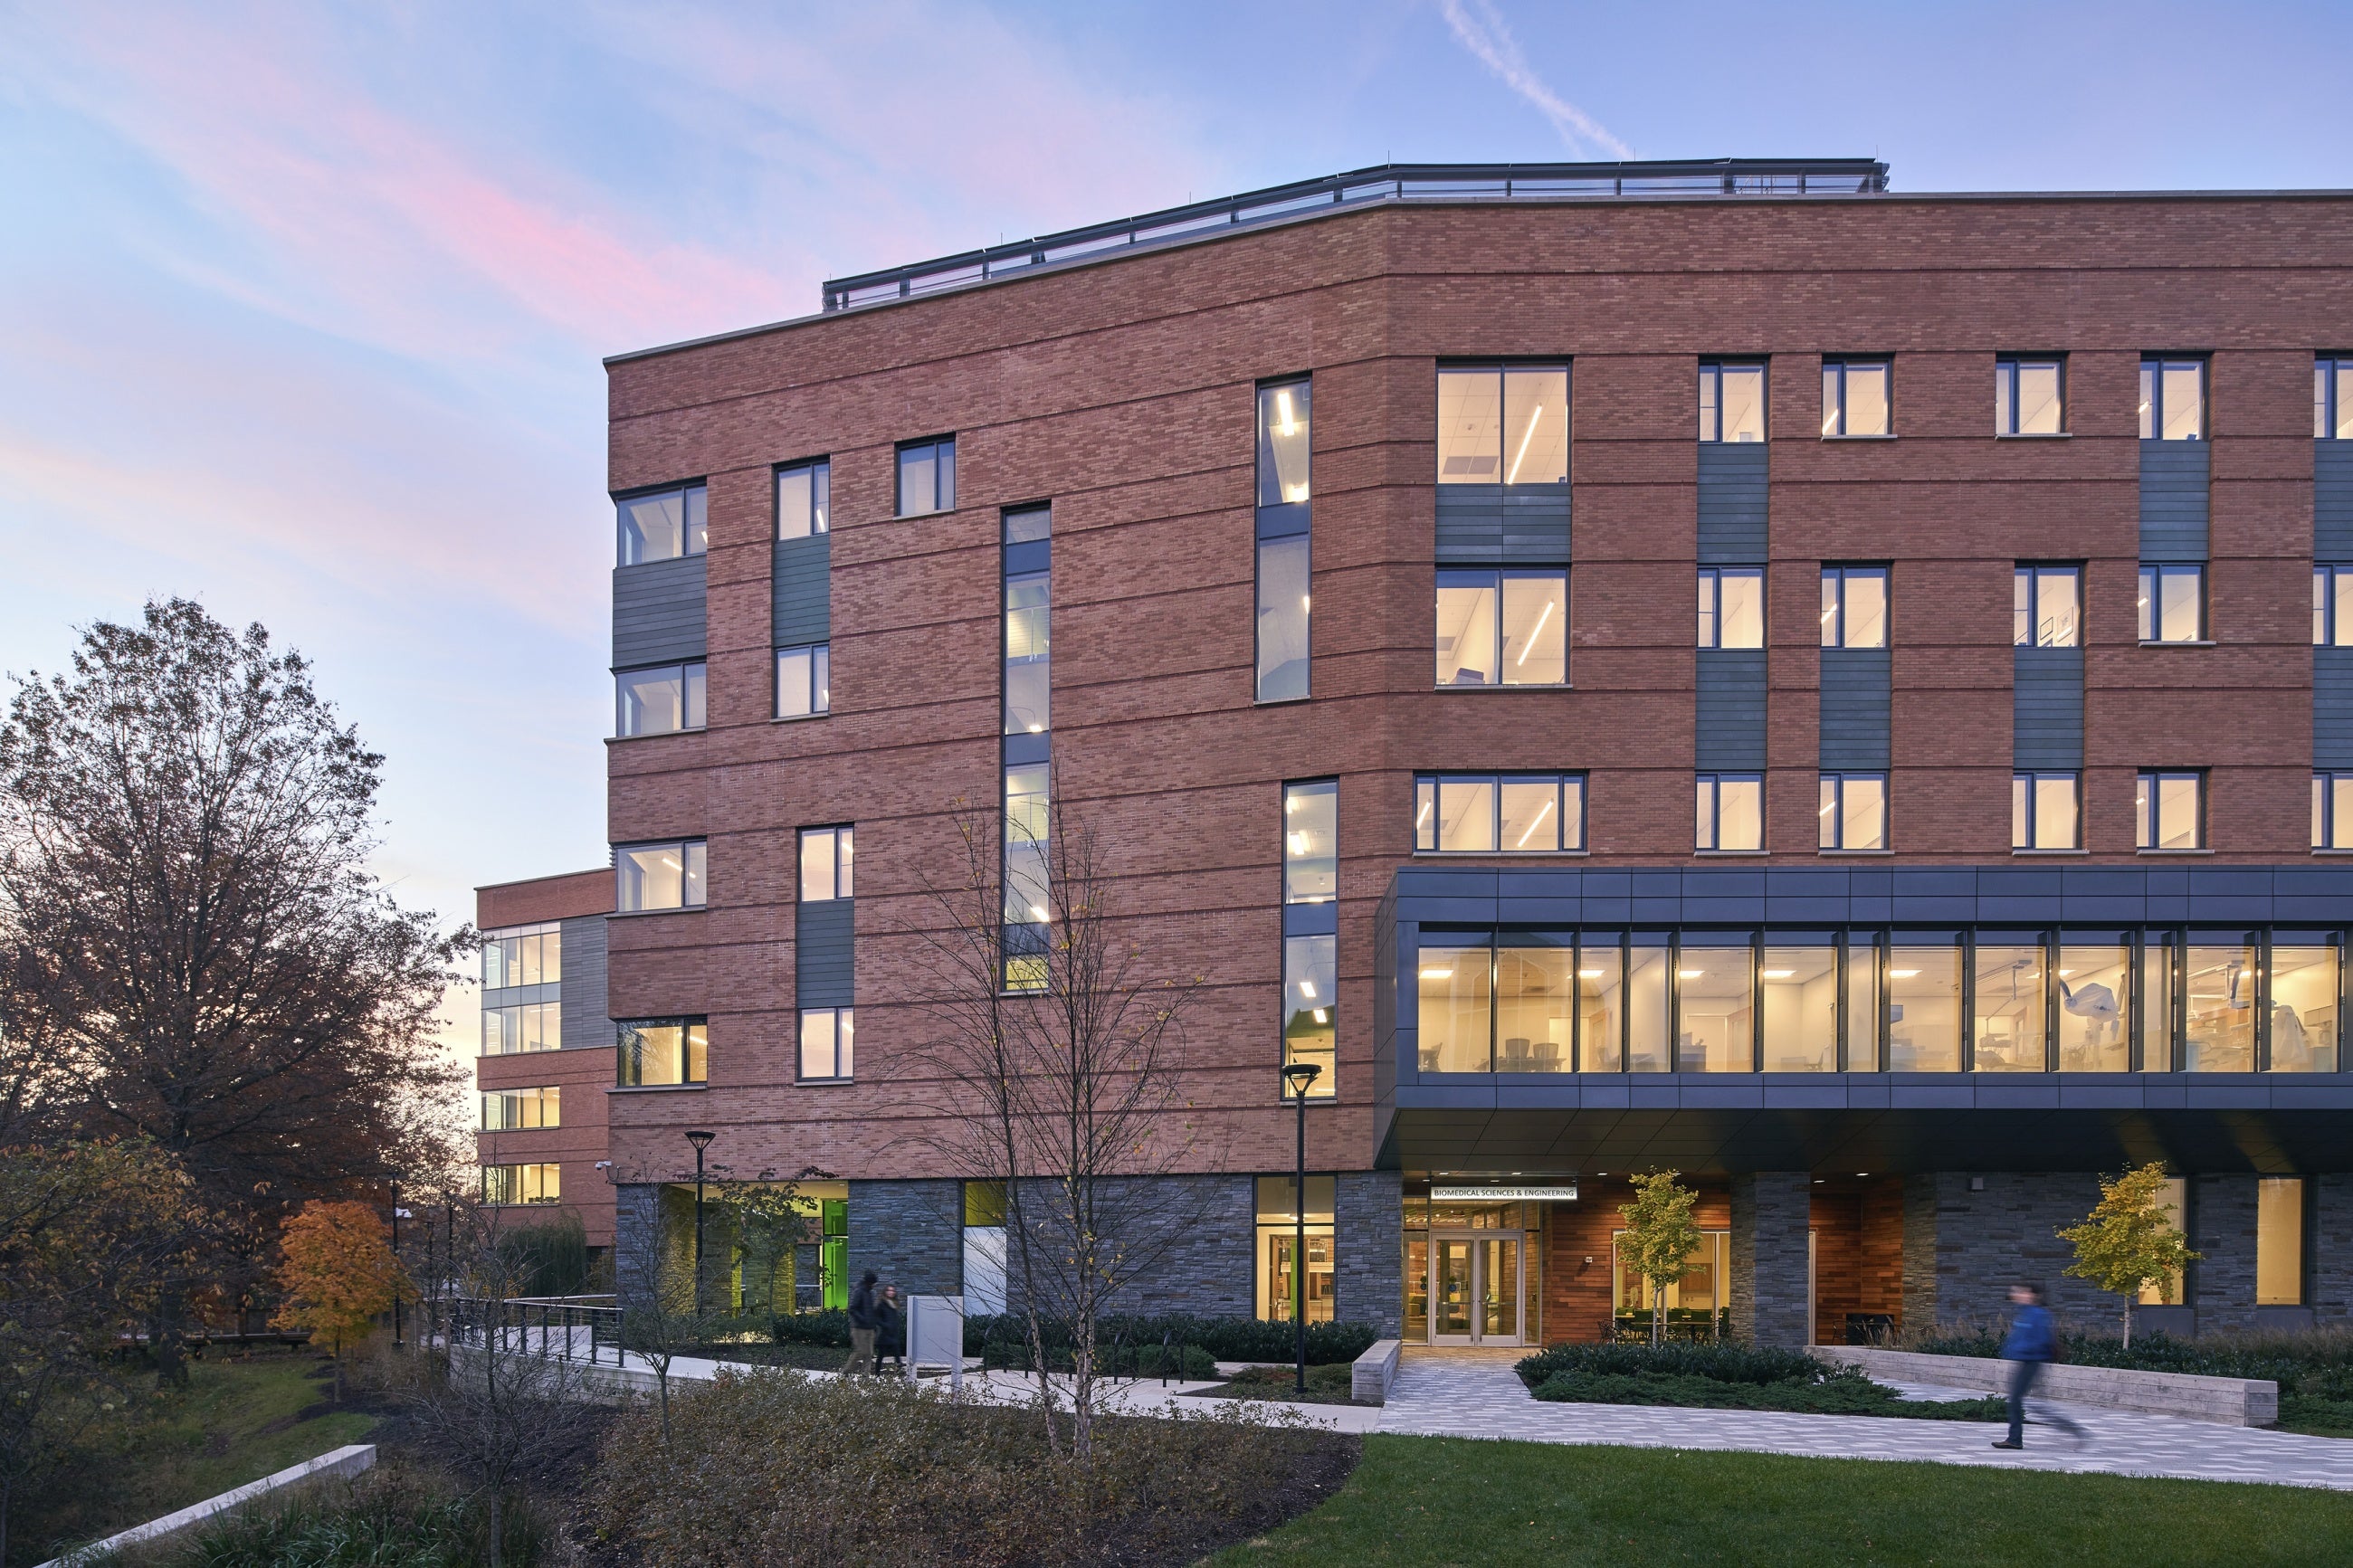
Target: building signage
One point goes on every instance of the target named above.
(1554, 1193)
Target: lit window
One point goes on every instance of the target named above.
(1504, 424)
(1731, 606)
(2172, 399)
(2332, 399)
(1310, 1028)
(1854, 811)
(1731, 402)
(1283, 493)
(659, 701)
(2028, 398)
(1855, 606)
(1028, 653)
(826, 863)
(2332, 811)
(523, 1027)
(1515, 814)
(2046, 606)
(1502, 628)
(927, 477)
(804, 501)
(660, 875)
(513, 1110)
(522, 955)
(1283, 451)
(827, 1037)
(2279, 1241)
(538, 1183)
(663, 524)
(804, 681)
(1731, 812)
(2172, 603)
(662, 1053)
(2332, 606)
(2169, 811)
(2044, 810)
(1855, 397)
(1311, 834)
(1028, 919)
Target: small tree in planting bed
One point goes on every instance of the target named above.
(1660, 1235)
(2127, 1243)
(338, 1274)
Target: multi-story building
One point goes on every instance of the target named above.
(1847, 695)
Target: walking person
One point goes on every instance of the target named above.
(863, 1322)
(2033, 1344)
(891, 1333)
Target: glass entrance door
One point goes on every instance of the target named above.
(1475, 1289)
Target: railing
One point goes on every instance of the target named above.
(559, 1328)
(1386, 182)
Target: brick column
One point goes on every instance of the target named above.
(2223, 1229)
(1770, 1211)
(1367, 1224)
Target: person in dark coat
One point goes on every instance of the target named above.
(891, 1331)
(2033, 1344)
(863, 1320)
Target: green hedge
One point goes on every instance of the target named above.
(827, 1330)
(2313, 1365)
(1716, 1363)
(1223, 1339)
(1844, 1394)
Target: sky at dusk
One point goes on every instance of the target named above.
(301, 306)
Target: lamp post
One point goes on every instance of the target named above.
(1300, 1076)
(701, 1141)
(396, 1260)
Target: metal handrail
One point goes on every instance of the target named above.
(528, 1326)
(1686, 178)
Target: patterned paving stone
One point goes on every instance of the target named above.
(1475, 1394)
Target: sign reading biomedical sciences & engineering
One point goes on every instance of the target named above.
(1557, 1192)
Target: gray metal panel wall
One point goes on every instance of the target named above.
(825, 966)
(1730, 728)
(586, 1022)
(660, 611)
(2332, 708)
(2173, 487)
(1503, 525)
(1856, 683)
(802, 590)
(1732, 504)
(2332, 500)
(2047, 707)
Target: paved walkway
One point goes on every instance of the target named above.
(1475, 1394)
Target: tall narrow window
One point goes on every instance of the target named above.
(804, 501)
(1284, 500)
(1028, 919)
(663, 525)
(2332, 811)
(2172, 399)
(1855, 606)
(2044, 810)
(2029, 397)
(1502, 628)
(1028, 678)
(1502, 424)
(1731, 402)
(1310, 819)
(2332, 399)
(2046, 606)
(826, 864)
(2172, 605)
(1731, 606)
(1856, 398)
(2169, 811)
(1311, 831)
(1029, 632)
(2332, 606)
(1731, 812)
(927, 477)
(2279, 1241)
(1854, 811)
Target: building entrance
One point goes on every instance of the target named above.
(1475, 1287)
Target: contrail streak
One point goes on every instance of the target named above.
(1478, 28)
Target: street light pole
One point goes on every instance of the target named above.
(1300, 1076)
(700, 1141)
(395, 1262)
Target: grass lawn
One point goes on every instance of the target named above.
(1434, 1501)
(237, 1421)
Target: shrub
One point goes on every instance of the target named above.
(827, 1330)
(1845, 1393)
(1225, 1339)
(1719, 1363)
(388, 1518)
(2315, 1363)
(773, 1470)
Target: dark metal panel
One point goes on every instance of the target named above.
(824, 971)
(2173, 500)
(658, 611)
(2047, 707)
(585, 1021)
(2332, 707)
(1732, 502)
(1503, 525)
(2332, 500)
(802, 590)
(1729, 731)
(1854, 708)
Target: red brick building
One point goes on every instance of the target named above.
(1724, 666)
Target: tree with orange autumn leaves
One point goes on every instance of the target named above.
(339, 1272)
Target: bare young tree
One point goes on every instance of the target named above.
(192, 933)
(1055, 1067)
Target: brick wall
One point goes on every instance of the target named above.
(1770, 1212)
(2223, 1232)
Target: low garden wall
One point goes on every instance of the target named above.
(2229, 1401)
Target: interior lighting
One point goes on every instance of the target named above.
(1422, 818)
(1525, 440)
(1290, 425)
(1779, 974)
(1039, 914)
(1534, 632)
(1320, 1017)
(1689, 974)
(1537, 823)
(1903, 974)
(1308, 989)
(1438, 975)
(1588, 975)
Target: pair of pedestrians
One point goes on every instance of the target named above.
(2033, 1344)
(878, 1326)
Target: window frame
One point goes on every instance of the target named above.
(689, 687)
(1325, 787)
(2332, 382)
(1710, 589)
(2327, 828)
(1503, 576)
(519, 1167)
(1836, 366)
(2331, 583)
(686, 1025)
(944, 484)
(2147, 785)
(1714, 779)
(1502, 369)
(2006, 368)
(545, 1096)
(1834, 818)
(1839, 573)
(1711, 398)
(2151, 584)
(1435, 781)
(685, 847)
(690, 510)
(820, 682)
(2032, 777)
(2153, 368)
(820, 472)
(2034, 571)
(845, 1041)
(842, 870)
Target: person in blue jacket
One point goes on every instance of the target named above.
(2033, 1344)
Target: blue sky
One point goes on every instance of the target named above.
(301, 307)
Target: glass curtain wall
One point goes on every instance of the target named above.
(2304, 1007)
(1717, 992)
(2094, 986)
(1924, 1004)
(2009, 1026)
(1799, 987)
(2218, 984)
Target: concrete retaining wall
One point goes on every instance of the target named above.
(344, 1462)
(2229, 1401)
(1374, 1372)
